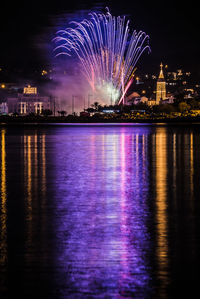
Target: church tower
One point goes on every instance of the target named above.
(161, 87)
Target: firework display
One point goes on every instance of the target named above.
(107, 50)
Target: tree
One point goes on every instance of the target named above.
(179, 96)
(167, 108)
(96, 106)
(32, 114)
(183, 106)
(15, 114)
(47, 112)
(62, 112)
(90, 110)
(194, 104)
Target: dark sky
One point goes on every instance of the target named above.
(173, 28)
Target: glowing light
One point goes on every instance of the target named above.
(30, 90)
(44, 72)
(106, 50)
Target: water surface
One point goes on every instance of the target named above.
(99, 211)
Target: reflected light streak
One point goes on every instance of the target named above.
(28, 186)
(29, 182)
(137, 157)
(36, 163)
(123, 225)
(41, 171)
(174, 160)
(43, 166)
(143, 156)
(25, 159)
(174, 169)
(191, 164)
(3, 217)
(161, 205)
(110, 191)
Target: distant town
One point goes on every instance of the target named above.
(167, 95)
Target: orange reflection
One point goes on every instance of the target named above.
(191, 163)
(174, 160)
(161, 204)
(29, 182)
(28, 186)
(36, 162)
(3, 217)
(34, 179)
(43, 165)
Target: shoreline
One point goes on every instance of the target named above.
(89, 122)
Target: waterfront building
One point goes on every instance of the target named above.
(30, 101)
(133, 99)
(161, 87)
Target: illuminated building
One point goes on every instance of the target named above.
(161, 87)
(3, 108)
(30, 101)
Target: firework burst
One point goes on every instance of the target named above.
(106, 49)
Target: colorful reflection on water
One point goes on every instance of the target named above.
(99, 212)
(108, 208)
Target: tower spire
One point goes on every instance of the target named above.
(161, 76)
(161, 87)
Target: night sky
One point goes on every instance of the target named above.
(27, 29)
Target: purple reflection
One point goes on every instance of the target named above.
(134, 270)
(101, 212)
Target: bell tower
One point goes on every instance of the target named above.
(161, 87)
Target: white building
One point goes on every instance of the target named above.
(30, 101)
